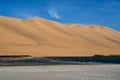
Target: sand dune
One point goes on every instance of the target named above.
(40, 37)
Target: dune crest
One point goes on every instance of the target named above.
(40, 37)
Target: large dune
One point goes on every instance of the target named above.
(39, 37)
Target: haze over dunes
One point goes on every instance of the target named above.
(40, 37)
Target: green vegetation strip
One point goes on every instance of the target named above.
(14, 56)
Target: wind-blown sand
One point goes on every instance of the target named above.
(68, 72)
(40, 37)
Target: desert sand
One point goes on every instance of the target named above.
(40, 37)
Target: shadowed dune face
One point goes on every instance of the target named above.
(40, 37)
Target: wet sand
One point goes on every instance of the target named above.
(61, 72)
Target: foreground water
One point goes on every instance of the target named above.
(63, 72)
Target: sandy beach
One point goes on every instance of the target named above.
(63, 72)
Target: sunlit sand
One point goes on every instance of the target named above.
(40, 37)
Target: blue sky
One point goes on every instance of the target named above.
(100, 12)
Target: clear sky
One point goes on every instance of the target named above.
(100, 12)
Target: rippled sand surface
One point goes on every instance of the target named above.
(63, 72)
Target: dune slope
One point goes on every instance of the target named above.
(40, 37)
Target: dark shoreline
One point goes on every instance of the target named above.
(26, 60)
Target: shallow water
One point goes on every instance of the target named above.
(63, 72)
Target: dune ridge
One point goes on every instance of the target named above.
(40, 37)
